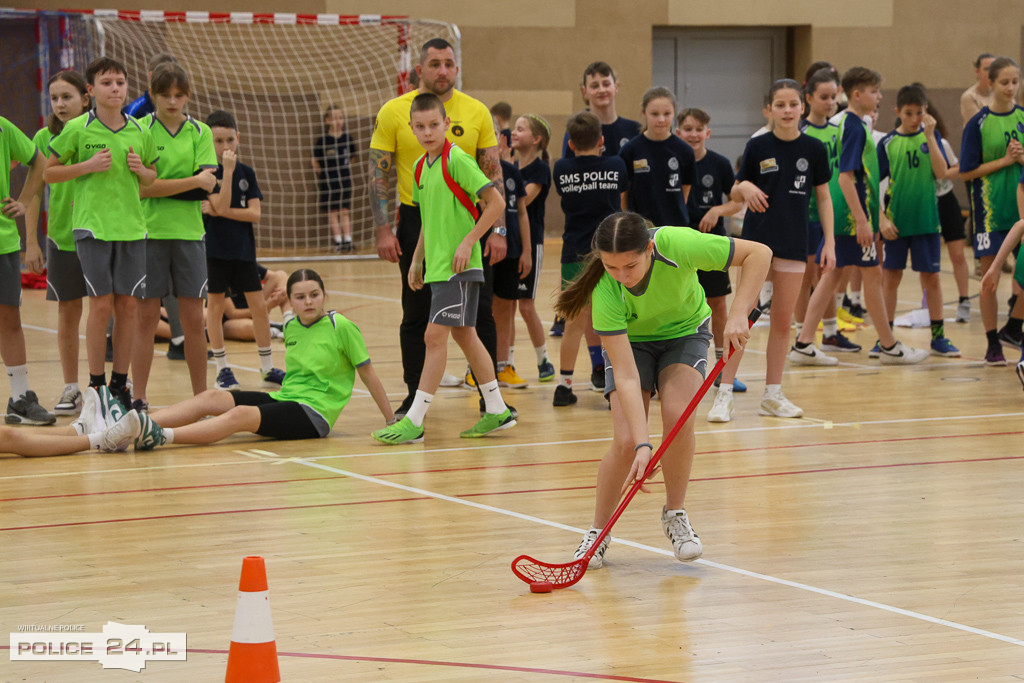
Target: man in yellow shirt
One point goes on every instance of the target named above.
(393, 154)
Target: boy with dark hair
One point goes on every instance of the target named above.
(854, 190)
(108, 156)
(913, 158)
(591, 187)
(446, 181)
(599, 88)
(228, 216)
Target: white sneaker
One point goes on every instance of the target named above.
(90, 420)
(70, 402)
(722, 409)
(779, 406)
(597, 560)
(684, 539)
(902, 355)
(450, 380)
(810, 355)
(117, 438)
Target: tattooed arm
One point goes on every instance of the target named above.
(381, 184)
(490, 163)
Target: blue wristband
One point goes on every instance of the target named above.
(641, 445)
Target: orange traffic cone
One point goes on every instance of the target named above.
(252, 657)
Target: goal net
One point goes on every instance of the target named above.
(276, 73)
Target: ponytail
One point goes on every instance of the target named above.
(618, 233)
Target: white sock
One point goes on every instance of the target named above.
(418, 409)
(94, 440)
(670, 513)
(542, 353)
(178, 340)
(168, 435)
(772, 390)
(512, 356)
(799, 328)
(502, 365)
(839, 300)
(18, 375)
(493, 403)
(266, 359)
(72, 386)
(724, 388)
(855, 298)
(718, 352)
(831, 327)
(565, 381)
(220, 357)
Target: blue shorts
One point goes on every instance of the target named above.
(925, 253)
(815, 238)
(849, 253)
(988, 243)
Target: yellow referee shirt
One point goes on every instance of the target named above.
(471, 130)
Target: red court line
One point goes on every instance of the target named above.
(432, 662)
(173, 488)
(504, 493)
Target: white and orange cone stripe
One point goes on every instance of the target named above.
(252, 657)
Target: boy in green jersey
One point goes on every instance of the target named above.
(108, 156)
(15, 147)
(913, 158)
(445, 179)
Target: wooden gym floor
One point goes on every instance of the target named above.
(877, 539)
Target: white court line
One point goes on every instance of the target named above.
(716, 565)
(803, 423)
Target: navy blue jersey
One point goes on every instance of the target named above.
(714, 179)
(616, 134)
(140, 106)
(537, 171)
(788, 172)
(658, 170)
(334, 154)
(228, 239)
(515, 190)
(591, 188)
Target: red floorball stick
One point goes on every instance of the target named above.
(543, 577)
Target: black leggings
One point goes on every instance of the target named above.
(285, 420)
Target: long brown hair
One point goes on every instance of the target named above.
(621, 232)
(75, 80)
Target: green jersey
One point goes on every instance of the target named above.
(107, 204)
(829, 136)
(181, 154)
(856, 152)
(669, 302)
(61, 198)
(910, 201)
(14, 146)
(446, 222)
(993, 196)
(321, 362)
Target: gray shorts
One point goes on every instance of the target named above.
(10, 279)
(64, 279)
(652, 357)
(175, 267)
(112, 267)
(454, 304)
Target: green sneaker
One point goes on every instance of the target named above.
(403, 431)
(490, 423)
(152, 434)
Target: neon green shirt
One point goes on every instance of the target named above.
(14, 146)
(828, 134)
(107, 205)
(61, 198)
(670, 303)
(446, 222)
(911, 203)
(180, 155)
(320, 361)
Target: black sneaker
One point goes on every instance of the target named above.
(557, 328)
(1007, 338)
(597, 378)
(176, 351)
(27, 411)
(123, 395)
(564, 396)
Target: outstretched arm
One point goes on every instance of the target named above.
(372, 382)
